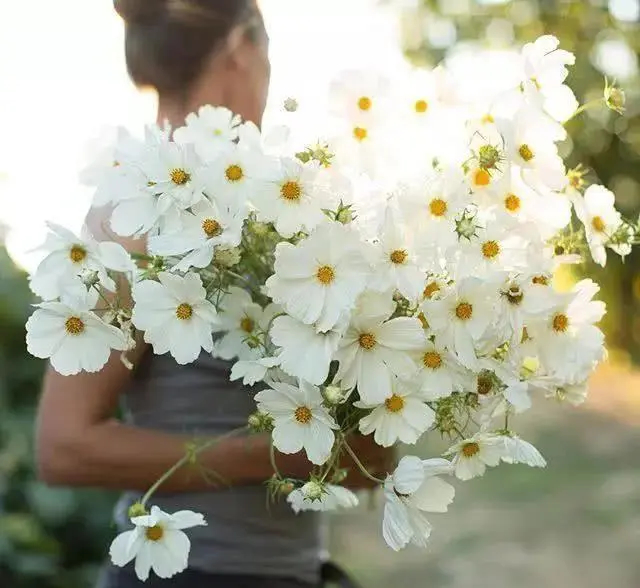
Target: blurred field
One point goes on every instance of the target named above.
(575, 524)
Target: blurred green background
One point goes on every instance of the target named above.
(576, 524)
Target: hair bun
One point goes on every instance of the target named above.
(140, 11)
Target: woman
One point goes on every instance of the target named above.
(193, 52)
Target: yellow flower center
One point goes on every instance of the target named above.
(525, 152)
(217, 132)
(421, 106)
(184, 312)
(367, 341)
(395, 403)
(234, 173)
(179, 176)
(154, 533)
(540, 280)
(211, 227)
(464, 311)
(514, 295)
(438, 207)
(247, 324)
(481, 177)
(74, 325)
(487, 119)
(77, 253)
(115, 163)
(560, 322)
(399, 256)
(484, 386)
(291, 191)
(360, 133)
(490, 249)
(325, 274)
(303, 414)
(598, 224)
(432, 360)
(512, 203)
(470, 449)
(431, 289)
(365, 103)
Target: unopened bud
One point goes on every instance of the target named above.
(333, 394)
(286, 487)
(89, 278)
(344, 215)
(312, 490)
(260, 422)
(615, 99)
(291, 105)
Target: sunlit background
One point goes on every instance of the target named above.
(63, 79)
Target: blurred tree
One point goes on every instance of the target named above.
(605, 37)
(49, 537)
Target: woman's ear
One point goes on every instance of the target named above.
(235, 46)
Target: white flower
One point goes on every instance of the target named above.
(210, 130)
(70, 256)
(461, 316)
(440, 373)
(403, 416)
(473, 455)
(175, 315)
(233, 175)
(299, 419)
(71, 336)
(253, 370)
(156, 543)
(318, 280)
(414, 488)
(358, 95)
(373, 350)
(293, 198)
(241, 319)
(396, 265)
(520, 451)
(208, 225)
(600, 218)
(304, 352)
(332, 497)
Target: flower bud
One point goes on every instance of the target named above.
(312, 490)
(286, 487)
(227, 256)
(615, 99)
(530, 365)
(259, 229)
(333, 394)
(290, 105)
(344, 215)
(260, 422)
(90, 278)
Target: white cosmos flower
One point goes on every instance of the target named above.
(233, 174)
(206, 226)
(157, 543)
(461, 316)
(373, 350)
(319, 279)
(533, 151)
(359, 95)
(293, 199)
(251, 371)
(210, 130)
(403, 416)
(473, 455)
(396, 264)
(440, 372)
(239, 318)
(414, 488)
(69, 256)
(175, 315)
(332, 497)
(304, 352)
(520, 451)
(600, 219)
(300, 421)
(71, 336)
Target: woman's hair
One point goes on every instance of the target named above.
(168, 42)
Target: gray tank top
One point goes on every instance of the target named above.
(245, 534)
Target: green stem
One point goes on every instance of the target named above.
(585, 106)
(364, 470)
(185, 459)
(272, 457)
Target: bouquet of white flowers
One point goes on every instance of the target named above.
(393, 278)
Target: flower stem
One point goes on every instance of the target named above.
(186, 458)
(364, 470)
(585, 106)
